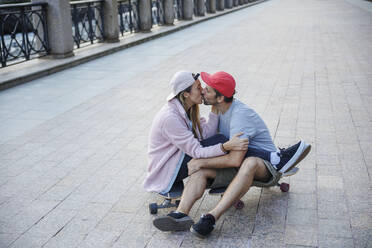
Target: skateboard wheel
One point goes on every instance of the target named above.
(153, 207)
(284, 187)
(239, 204)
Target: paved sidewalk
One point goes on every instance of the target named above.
(73, 144)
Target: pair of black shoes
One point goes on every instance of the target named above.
(176, 221)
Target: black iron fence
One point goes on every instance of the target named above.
(206, 6)
(157, 12)
(24, 27)
(23, 32)
(87, 21)
(178, 9)
(128, 16)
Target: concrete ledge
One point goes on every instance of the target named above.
(17, 74)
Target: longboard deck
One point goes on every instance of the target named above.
(172, 195)
(178, 191)
(175, 192)
(291, 172)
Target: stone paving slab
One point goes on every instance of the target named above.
(74, 179)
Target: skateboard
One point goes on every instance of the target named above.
(171, 198)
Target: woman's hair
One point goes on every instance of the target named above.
(192, 113)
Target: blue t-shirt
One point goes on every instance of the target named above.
(241, 118)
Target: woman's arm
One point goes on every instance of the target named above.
(209, 127)
(178, 133)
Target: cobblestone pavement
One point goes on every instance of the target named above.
(73, 144)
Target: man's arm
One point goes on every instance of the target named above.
(233, 159)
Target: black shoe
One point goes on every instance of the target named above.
(204, 226)
(291, 156)
(174, 221)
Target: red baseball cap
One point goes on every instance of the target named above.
(221, 81)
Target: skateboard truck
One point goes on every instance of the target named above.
(167, 203)
(284, 187)
(170, 198)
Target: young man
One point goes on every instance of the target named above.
(234, 170)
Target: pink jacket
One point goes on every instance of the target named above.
(170, 138)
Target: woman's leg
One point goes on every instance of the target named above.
(184, 171)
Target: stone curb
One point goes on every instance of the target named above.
(27, 71)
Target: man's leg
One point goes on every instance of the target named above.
(251, 168)
(194, 189)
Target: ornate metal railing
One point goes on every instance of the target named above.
(206, 6)
(23, 32)
(128, 16)
(178, 9)
(195, 10)
(87, 21)
(157, 12)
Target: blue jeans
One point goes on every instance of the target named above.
(217, 139)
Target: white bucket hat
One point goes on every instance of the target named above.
(181, 81)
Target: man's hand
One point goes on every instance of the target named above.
(236, 144)
(194, 165)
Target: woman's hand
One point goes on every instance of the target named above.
(214, 110)
(236, 144)
(193, 166)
